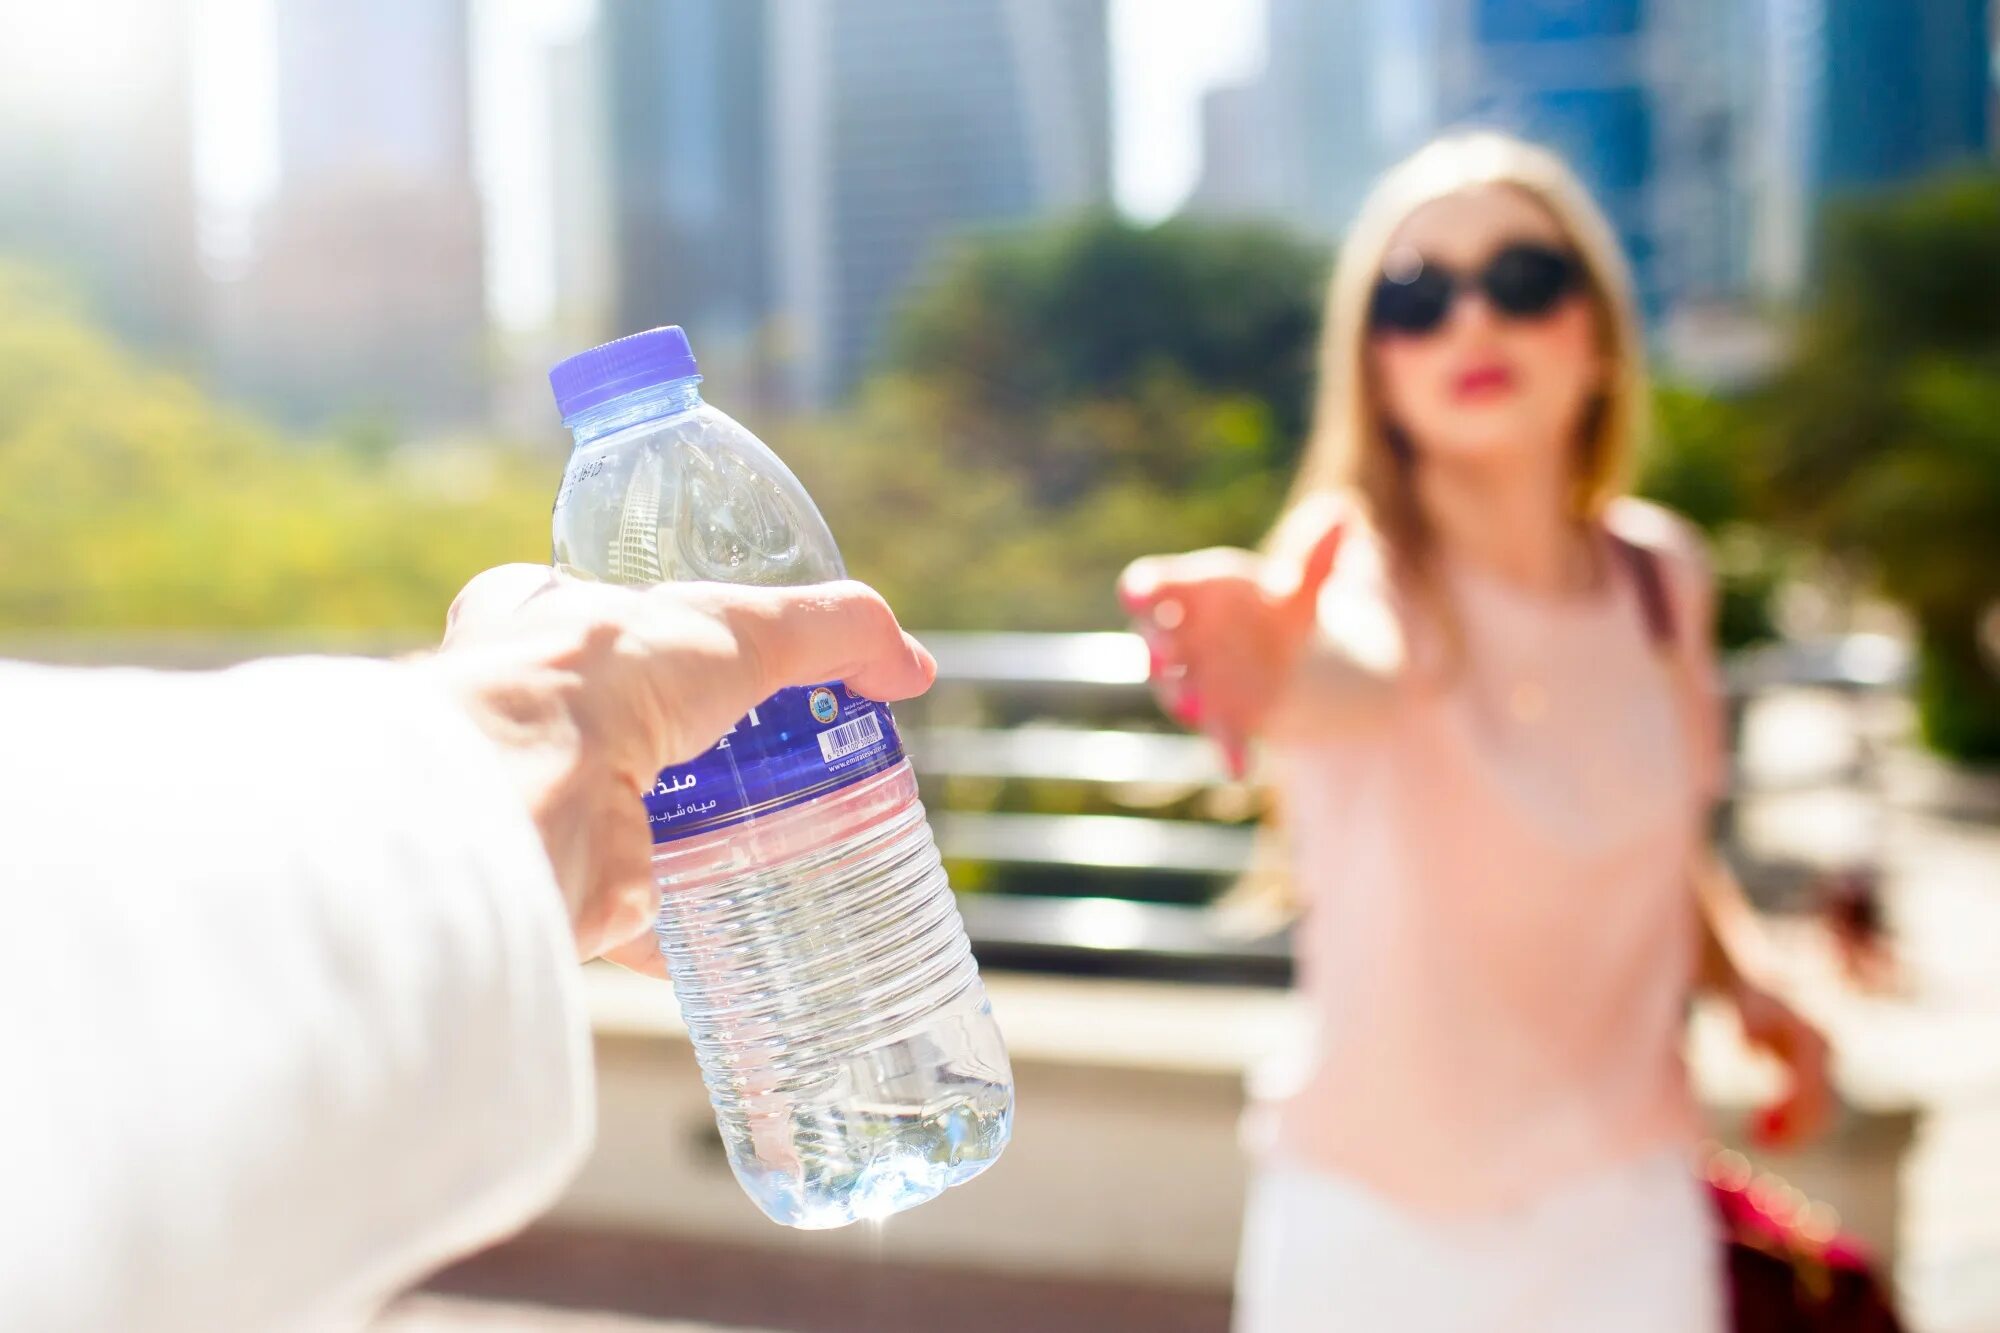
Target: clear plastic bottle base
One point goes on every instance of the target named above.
(833, 1002)
(877, 1161)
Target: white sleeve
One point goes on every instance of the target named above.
(289, 1008)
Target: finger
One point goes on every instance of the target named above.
(1137, 585)
(1235, 755)
(925, 677)
(640, 955)
(837, 631)
(1166, 669)
(1807, 1116)
(1791, 1122)
(1813, 1089)
(1808, 1104)
(1305, 557)
(1153, 579)
(1164, 650)
(496, 593)
(1319, 558)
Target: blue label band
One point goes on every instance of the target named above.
(796, 745)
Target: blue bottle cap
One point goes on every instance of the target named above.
(640, 361)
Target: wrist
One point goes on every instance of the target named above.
(525, 716)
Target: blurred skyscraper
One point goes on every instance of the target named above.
(1907, 89)
(1236, 160)
(584, 265)
(900, 123)
(1862, 94)
(1597, 80)
(1710, 76)
(365, 294)
(688, 89)
(96, 164)
(1322, 118)
(1302, 141)
(1654, 104)
(1711, 130)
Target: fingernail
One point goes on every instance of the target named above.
(1234, 759)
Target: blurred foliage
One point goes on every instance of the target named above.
(1062, 400)
(130, 501)
(929, 509)
(1054, 402)
(1702, 462)
(1885, 430)
(1095, 309)
(1699, 461)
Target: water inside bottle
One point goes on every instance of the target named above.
(824, 975)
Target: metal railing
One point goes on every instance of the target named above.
(1074, 709)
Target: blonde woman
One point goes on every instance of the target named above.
(1487, 683)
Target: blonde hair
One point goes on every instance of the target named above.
(1351, 450)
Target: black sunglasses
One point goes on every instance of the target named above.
(1523, 281)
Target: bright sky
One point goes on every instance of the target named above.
(1165, 54)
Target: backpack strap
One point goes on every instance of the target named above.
(1655, 603)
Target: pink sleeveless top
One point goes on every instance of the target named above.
(1500, 933)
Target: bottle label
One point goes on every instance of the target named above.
(797, 745)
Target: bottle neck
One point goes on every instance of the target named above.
(630, 409)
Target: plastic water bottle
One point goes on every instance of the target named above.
(815, 947)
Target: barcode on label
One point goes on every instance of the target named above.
(848, 737)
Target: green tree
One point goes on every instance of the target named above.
(130, 501)
(928, 508)
(1060, 400)
(1886, 430)
(1015, 325)
(1701, 463)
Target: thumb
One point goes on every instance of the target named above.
(834, 631)
(1306, 549)
(1319, 558)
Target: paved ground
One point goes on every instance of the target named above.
(1947, 906)
(742, 1287)
(1936, 1038)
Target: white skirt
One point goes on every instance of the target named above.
(1631, 1250)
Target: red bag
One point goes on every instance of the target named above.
(1782, 1280)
